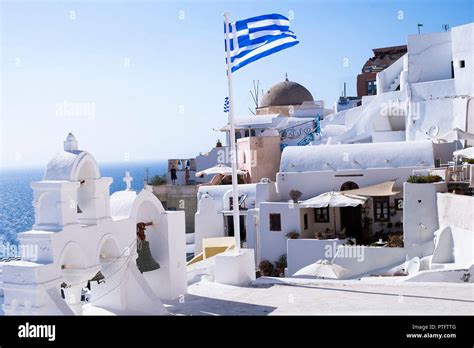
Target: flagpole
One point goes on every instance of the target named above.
(233, 151)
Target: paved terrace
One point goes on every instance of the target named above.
(278, 296)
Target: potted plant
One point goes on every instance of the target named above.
(281, 264)
(395, 241)
(295, 195)
(292, 235)
(424, 179)
(266, 268)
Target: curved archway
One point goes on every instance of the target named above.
(108, 248)
(349, 185)
(47, 212)
(148, 208)
(86, 167)
(72, 256)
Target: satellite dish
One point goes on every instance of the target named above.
(433, 131)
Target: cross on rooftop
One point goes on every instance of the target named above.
(128, 180)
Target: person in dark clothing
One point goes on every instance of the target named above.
(173, 175)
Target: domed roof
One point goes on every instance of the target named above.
(286, 93)
(71, 164)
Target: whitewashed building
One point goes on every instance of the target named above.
(426, 94)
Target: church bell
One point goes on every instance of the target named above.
(145, 261)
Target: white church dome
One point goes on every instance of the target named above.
(72, 164)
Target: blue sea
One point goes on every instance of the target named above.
(16, 195)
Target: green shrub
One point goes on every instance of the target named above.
(158, 180)
(423, 179)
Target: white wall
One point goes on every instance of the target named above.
(429, 57)
(455, 210)
(431, 103)
(453, 249)
(374, 258)
(273, 243)
(419, 226)
(208, 222)
(169, 281)
(463, 49)
(312, 184)
(455, 239)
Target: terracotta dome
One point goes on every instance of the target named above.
(286, 93)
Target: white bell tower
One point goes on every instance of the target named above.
(72, 190)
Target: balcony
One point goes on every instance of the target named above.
(456, 173)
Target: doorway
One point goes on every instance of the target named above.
(351, 220)
(229, 219)
(351, 217)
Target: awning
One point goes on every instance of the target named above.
(333, 199)
(466, 153)
(383, 189)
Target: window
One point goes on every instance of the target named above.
(275, 222)
(305, 221)
(381, 209)
(246, 133)
(238, 135)
(437, 162)
(321, 215)
(462, 64)
(349, 185)
(371, 87)
(241, 202)
(252, 132)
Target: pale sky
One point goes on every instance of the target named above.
(147, 78)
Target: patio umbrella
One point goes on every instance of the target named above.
(324, 269)
(335, 200)
(466, 153)
(218, 169)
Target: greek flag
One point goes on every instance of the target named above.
(226, 104)
(257, 37)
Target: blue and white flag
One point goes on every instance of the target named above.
(254, 38)
(226, 104)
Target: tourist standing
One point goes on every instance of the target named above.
(173, 175)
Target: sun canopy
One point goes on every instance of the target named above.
(466, 153)
(218, 169)
(383, 189)
(333, 199)
(322, 269)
